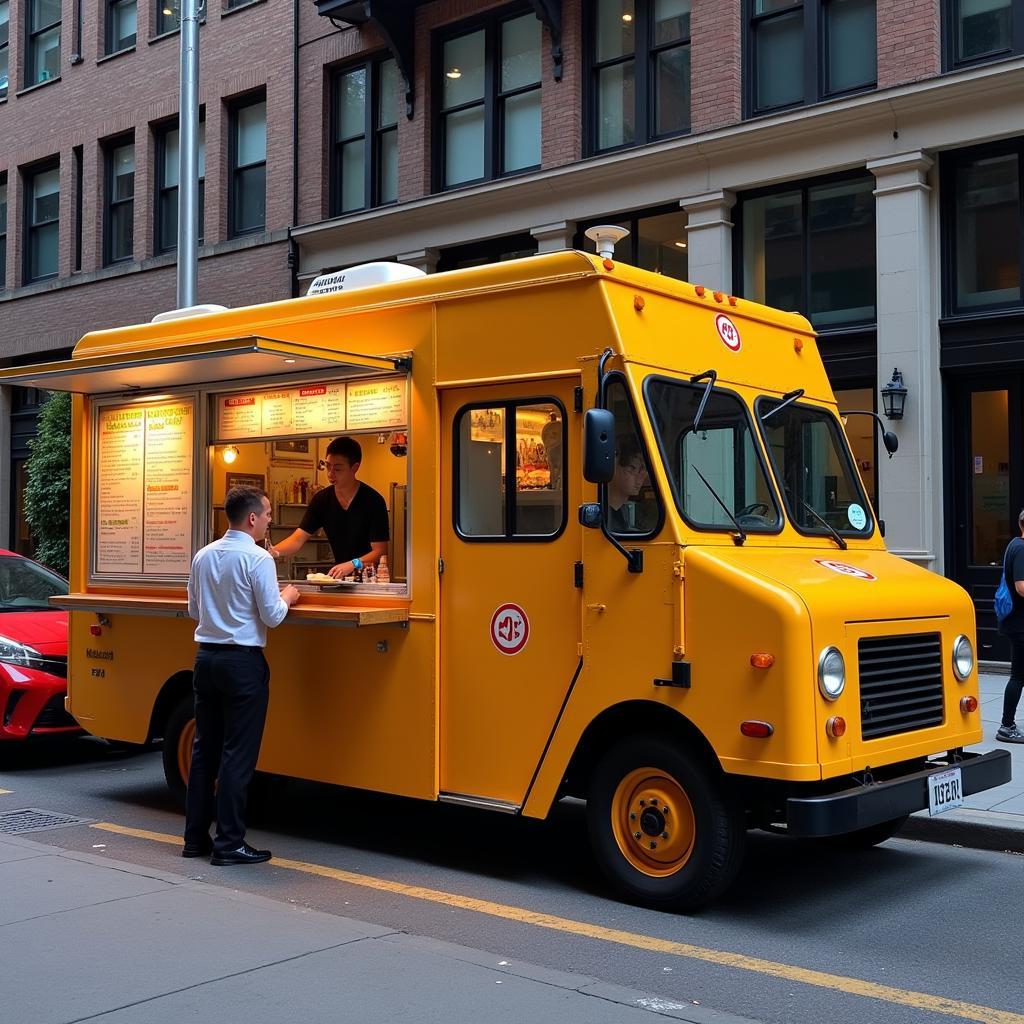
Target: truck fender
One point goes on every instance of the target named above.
(171, 693)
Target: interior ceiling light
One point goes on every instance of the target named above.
(627, 17)
(229, 454)
(681, 245)
(453, 73)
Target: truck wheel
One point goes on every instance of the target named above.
(663, 827)
(865, 838)
(179, 733)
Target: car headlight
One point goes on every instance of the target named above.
(14, 653)
(831, 673)
(963, 657)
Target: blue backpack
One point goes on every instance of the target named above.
(1003, 602)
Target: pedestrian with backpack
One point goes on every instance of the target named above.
(1009, 607)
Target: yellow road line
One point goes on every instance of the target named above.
(722, 958)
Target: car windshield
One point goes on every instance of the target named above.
(27, 586)
(813, 466)
(716, 465)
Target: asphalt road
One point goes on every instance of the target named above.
(926, 922)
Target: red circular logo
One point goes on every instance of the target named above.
(510, 629)
(727, 332)
(845, 570)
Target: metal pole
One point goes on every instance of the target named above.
(188, 156)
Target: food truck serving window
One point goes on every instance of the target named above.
(143, 493)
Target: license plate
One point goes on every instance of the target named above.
(945, 791)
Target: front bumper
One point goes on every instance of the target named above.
(32, 703)
(849, 810)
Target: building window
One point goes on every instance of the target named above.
(640, 71)
(3, 232)
(167, 16)
(167, 154)
(808, 50)
(42, 222)
(5, 39)
(120, 200)
(365, 137)
(490, 101)
(984, 220)
(811, 249)
(43, 41)
(656, 241)
(524, 441)
(981, 30)
(121, 24)
(248, 173)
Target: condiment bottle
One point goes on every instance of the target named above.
(383, 572)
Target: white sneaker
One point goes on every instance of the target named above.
(1010, 734)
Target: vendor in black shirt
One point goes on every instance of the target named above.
(352, 515)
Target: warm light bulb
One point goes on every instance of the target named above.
(229, 454)
(454, 73)
(627, 17)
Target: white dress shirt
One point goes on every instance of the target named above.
(233, 592)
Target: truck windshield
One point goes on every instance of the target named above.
(719, 462)
(813, 466)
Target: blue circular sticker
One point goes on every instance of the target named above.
(857, 516)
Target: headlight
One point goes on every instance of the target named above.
(963, 657)
(831, 673)
(14, 653)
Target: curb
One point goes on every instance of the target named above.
(975, 830)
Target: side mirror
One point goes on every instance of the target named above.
(598, 446)
(891, 441)
(881, 527)
(590, 515)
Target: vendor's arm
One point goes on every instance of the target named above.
(372, 557)
(290, 544)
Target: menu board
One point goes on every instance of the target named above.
(144, 489)
(312, 409)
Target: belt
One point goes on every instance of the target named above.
(228, 647)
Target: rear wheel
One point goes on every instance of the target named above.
(664, 829)
(179, 734)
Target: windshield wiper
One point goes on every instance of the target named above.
(710, 376)
(787, 398)
(741, 535)
(828, 526)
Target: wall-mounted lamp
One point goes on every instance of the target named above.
(399, 444)
(894, 396)
(229, 454)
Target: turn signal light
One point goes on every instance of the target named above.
(700, 291)
(836, 727)
(798, 344)
(718, 296)
(639, 302)
(762, 660)
(968, 704)
(96, 630)
(608, 265)
(732, 300)
(757, 730)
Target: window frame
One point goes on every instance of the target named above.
(509, 405)
(803, 186)
(234, 170)
(949, 24)
(3, 229)
(110, 44)
(372, 136)
(5, 47)
(110, 147)
(32, 72)
(493, 100)
(815, 53)
(161, 246)
(30, 230)
(644, 56)
(950, 163)
(631, 243)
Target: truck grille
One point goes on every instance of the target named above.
(900, 683)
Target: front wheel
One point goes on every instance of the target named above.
(663, 827)
(179, 734)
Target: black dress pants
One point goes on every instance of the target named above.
(231, 687)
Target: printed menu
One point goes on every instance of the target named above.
(376, 404)
(144, 489)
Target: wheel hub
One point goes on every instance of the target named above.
(653, 822)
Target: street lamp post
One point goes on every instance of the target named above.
(188, 156)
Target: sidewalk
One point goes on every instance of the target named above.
(84, 936)
(993, 820)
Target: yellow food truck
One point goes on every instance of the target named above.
(631, 560)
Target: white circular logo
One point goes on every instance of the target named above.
(510, 629)
(727, 332)
(857, 516)
(845, 570)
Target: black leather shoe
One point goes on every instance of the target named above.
(245, 854)
(200, 850)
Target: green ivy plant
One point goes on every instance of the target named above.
(48, 489)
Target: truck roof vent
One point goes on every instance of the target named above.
(178, 314)
(363, 276)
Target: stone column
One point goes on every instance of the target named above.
(709, 239)
(910, 483)
(422, 259)
(554, 237)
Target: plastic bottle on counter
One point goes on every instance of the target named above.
(383, 572)
(370, 574)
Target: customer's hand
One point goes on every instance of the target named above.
(290, 594)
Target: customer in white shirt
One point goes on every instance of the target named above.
(233, 594)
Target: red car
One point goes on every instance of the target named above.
(33, 651)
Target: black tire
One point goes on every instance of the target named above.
(713, 854)
(180, 719)
(865, 838)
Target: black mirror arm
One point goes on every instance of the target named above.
(889, 440)
(605, 356)
(634, 556)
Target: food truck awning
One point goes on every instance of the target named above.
(204, 362)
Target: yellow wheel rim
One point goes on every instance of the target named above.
(653, 822)
(188, 734)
